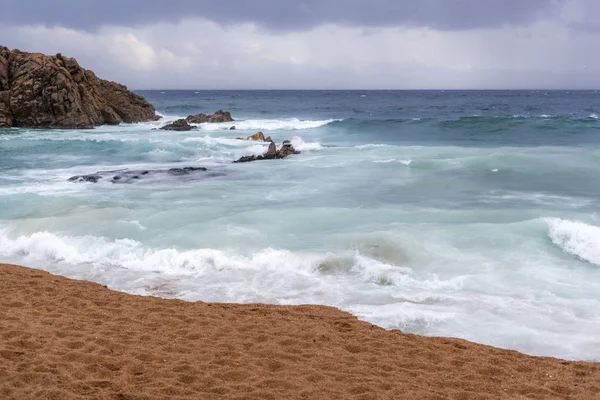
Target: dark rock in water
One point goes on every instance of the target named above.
(219, 116)
(130, 176)
(185, 170)
(286, 150)
(257, 137)
(178, 125)
(272, 153)
(40, 91)
(232, 128)
(85, 178)
(249, 158)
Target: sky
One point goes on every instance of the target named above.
(318, 44)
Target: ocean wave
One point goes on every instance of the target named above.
(268, 124)
(576, 238)
(370, 146)
(134, 256)
(477, 123)
(406, 162)
(300, 144)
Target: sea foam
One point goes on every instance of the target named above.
(576, 238)
(268, 124)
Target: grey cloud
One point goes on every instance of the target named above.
(279, 14)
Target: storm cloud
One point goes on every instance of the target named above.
(280, 14)
(311, 44)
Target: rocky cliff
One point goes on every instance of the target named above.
(40, 91)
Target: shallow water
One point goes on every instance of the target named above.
(467, 214)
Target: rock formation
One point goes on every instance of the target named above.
(178, 125)
(272, 153)
(257, 137)
(40, 91)
(131, 176)
(286, 150)
(219, 116)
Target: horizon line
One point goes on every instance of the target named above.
(377, 90)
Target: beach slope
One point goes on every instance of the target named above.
(67, 339)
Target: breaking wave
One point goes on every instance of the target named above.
(576, 238)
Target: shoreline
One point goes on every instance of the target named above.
(62, 338)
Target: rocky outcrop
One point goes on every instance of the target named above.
(184, 124)
(272, 153)
(132, 176)
(257, 137)
(219, 116)
(40, 91)
(286, 150)
(178, 125)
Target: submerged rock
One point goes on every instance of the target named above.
(85, 178)
(272, 153)
(41, 91)
(131, 176)
(178, 125)
(185, 170)
(219, 116)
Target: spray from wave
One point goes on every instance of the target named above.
(576, 238)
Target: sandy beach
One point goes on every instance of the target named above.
(67, 339)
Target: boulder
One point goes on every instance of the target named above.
(232, 128)
(286, 150)
(41, 91)
(257, 137)
(85, 178)
(219, 116)
(178, 125)
(272, 153)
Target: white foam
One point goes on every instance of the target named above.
(406, 162)
(301, 145)
(576, 238)
(133, 255)
(268, 124)
(370, 146)
(593, 116)
(130, 254)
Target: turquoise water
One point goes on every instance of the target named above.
(466, 214)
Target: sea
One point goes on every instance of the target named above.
(469, 214)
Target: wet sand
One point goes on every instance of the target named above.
(66, 339)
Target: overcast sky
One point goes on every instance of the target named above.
(337, 44)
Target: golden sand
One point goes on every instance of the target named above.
(66, 339)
